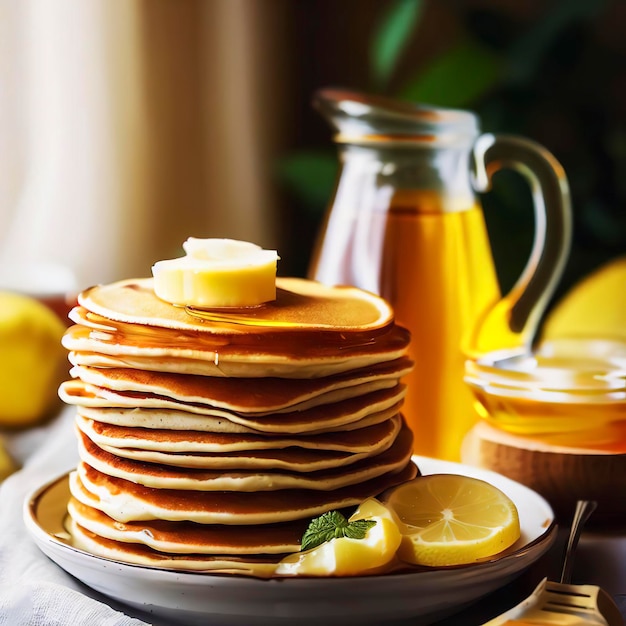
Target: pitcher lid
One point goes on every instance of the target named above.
(359, 117)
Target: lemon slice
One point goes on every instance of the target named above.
(446, 519)
(217, 273)
(344, 556)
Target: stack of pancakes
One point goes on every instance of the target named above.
(209, 439)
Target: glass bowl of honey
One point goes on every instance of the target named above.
(555, 420)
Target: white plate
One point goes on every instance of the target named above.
(208, 599)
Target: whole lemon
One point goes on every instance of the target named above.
(32, 360)
(595, 306)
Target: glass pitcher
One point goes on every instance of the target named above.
(405, 223)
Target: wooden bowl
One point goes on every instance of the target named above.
(561, 475)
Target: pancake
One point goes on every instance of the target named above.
(316, 419)
(100, 411)
(290, 459)
(300, 304)
(294, 458)
(253, 480)
(282, 355)
(248, 565)
(362, 440)
(126, 325)
(209, 439)
(243, 395)
(334, 329)
(187, 537)
(126, 501)
(351, 414)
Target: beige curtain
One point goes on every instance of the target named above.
(128, 125)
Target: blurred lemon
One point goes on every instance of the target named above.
(345, 556)
(447, 519)
(596, 306)
(7, 464)
(32, 360)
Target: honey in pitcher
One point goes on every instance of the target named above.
(404, 222)
(439, 277)
(429, 256)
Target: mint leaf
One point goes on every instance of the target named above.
(358, 529)
(333, 525)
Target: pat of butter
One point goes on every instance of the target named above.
(217, 273)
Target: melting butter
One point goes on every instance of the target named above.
(217, 273)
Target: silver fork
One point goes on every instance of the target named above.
(562, 603)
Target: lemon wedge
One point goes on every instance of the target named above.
(344, 556)
(446, 519)
(593, 307)
(217, 273)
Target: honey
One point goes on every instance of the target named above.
(570, 393)
(439, 292)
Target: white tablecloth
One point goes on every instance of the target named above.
(34, 591)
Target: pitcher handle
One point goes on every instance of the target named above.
(512, 322)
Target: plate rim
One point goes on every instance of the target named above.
(199, 598)
(38, 532)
